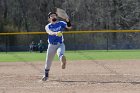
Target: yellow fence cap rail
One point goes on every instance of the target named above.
(71, 32)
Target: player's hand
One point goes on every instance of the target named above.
(59, 34)
(67, 19)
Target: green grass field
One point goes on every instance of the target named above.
(71, 55)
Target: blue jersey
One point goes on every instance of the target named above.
(58, 26)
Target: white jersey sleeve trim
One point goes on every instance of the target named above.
(63, 22)
(47, 28)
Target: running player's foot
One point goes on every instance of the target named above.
(63, 63)
(44, 78)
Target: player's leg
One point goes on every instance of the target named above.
(51, 51)
(60, 53)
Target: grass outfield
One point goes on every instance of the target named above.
(71, 55)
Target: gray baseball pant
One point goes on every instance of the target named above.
(51, 51)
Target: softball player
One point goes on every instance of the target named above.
(55, 40)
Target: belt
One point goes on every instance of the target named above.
(55, 43)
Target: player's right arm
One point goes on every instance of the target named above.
(49, 31)
(52, 33)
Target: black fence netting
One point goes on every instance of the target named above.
(84, 41)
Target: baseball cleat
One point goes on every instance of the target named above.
(44, 78)
(63, 63)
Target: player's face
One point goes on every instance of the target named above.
(53, 18)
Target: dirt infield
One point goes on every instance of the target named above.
(98, 76)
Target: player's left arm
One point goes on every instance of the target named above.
(68, 26)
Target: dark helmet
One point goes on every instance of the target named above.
(50, 13)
